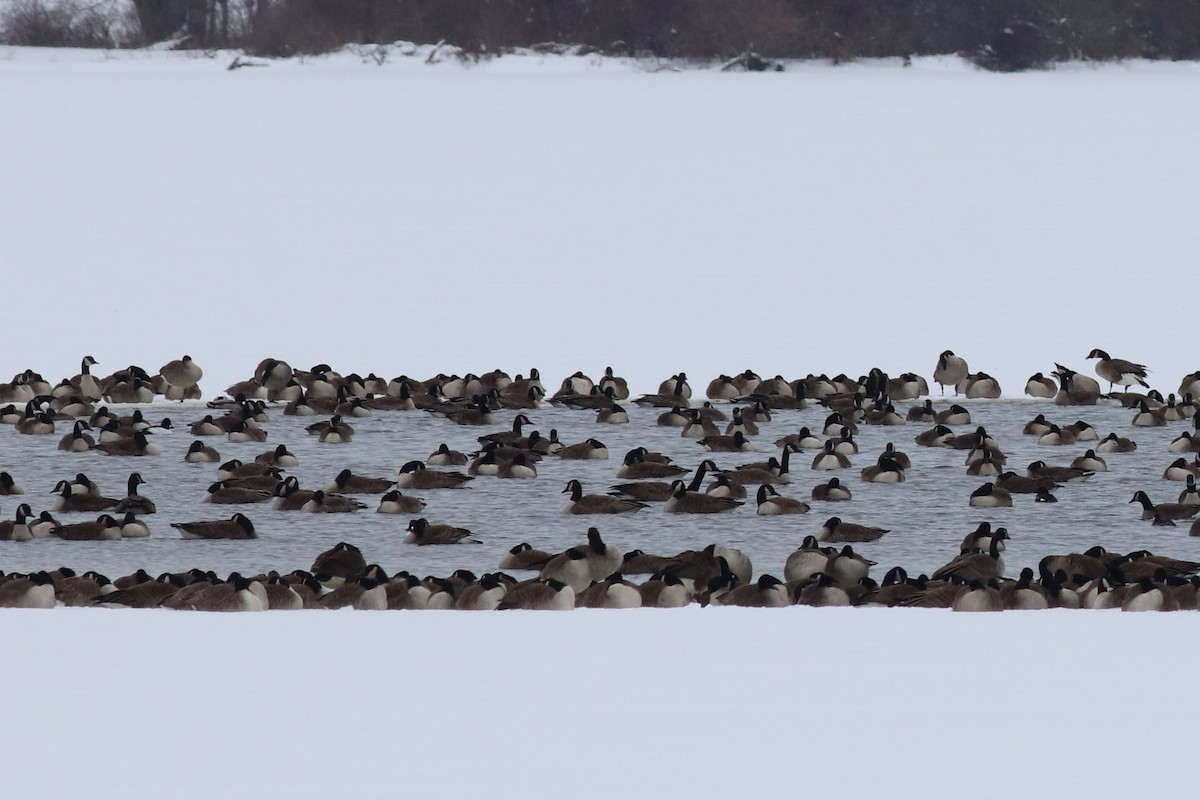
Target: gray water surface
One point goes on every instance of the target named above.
(928, 515)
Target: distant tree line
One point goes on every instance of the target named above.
(997, 34)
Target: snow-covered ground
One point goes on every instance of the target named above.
(569, 213)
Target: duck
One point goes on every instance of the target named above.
(68, 500)
(133, 501)
(422, 533)
(580, 503)
(835, 530)
(990, 496)
(832, 491)
(1118, 371)
(347, 482)
(1039, 385)
(238, 526)
(1164, 511)
(684, 501)
(950, 370)
(414, 475)
(771, 503)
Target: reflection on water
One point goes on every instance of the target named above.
(928, 515)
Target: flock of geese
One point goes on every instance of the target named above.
(825, 570)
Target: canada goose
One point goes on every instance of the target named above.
(1164, 511)
(341, 562)
(1039, 385)
(1185, 443)
(1180, 470)
(68, 500)
(1075, 389)
(614, 415)
(539, 595)
(33, 591)
(82, 484)
(736, 443)
(224, 494)
(1116, 444)
(886, 470)
(985, 467)
(289, 496)
(132, 527)
(698, 426)
(618, 384)
(182, 373)
(1056, 436)
(589, 449)
(200, 453)
(922, 413)
(445, 457)
(394, 502)
(1148, 418)
(1090, 461)
(603, 559)
(1037, 426)
(8, 486)
(524, 556)
(981, 538)
(1191, 494)
(979, 385)
(820, 591)
(136, 445)
(1082, 431)
(937, 436)
(990, 496)
(77, 441)
(1039, 469)
(767, 592)
(421, 532)
(687, 502)
(42, 525)
(723, 486)
(834, 530)
(279, 457)
(133, 501)
(570, 567)
(636, 467)
(829, 459)
(1149, 594)
(348, 483)
(238, 593)
(801, 440)
(414, 475)
(37, 423)
(513, 436)
(808, 559)
(832, 491)
(238, 526)
(664, 590)
(741, 423)
(950, 370)
(323, 503)
(1118, 371)
(611, 592)
(519, 467)
(1013, 483)
(103, 528)
(770, 503)
(580, 503)
(978, 596)
(974, 566)
(17, 529)
(207, 427)
(954, 415)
